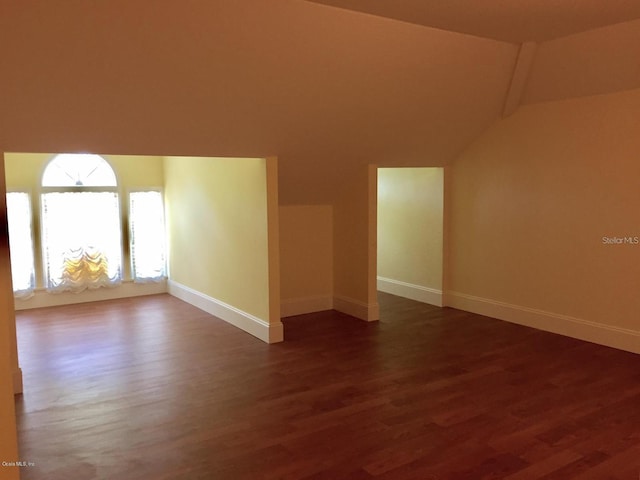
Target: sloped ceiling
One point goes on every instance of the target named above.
(322, 88)
(507, 20)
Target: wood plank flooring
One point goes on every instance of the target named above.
(152, 388)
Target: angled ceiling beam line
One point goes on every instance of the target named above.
(519, 78)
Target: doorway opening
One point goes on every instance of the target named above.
(410, 231)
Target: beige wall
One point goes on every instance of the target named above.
(602, 60)
(306, 257)
(24, 172)
(8, 439)
(354, 243)
(533, 198)
(410, 219)
(217, 223)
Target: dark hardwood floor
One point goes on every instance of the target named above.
(152, 388)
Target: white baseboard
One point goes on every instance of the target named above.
(265, 331)
(369, 312)
(41, 298)
(411, 291)
(17, 381)
(610, 336)
(299, 306)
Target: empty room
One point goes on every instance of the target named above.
(259, 345)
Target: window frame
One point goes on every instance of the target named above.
(34, 227)
(129, 242)
(36, 194)
(43, 190)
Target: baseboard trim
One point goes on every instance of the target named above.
(369, 312)
(411, 291)
(265, 331)
(300, 306)
(42, 298)
(17, 381)
(610, 336)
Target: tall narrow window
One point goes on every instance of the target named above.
(20, 243)
(80, 224)
(147, 233)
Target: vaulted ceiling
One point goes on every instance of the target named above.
(514, 21)
(322, 88)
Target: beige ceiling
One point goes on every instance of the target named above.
(508, 20)
(326, 90)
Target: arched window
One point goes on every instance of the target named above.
(81, 226)
(78, 170)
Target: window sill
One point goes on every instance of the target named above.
(41, 298)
